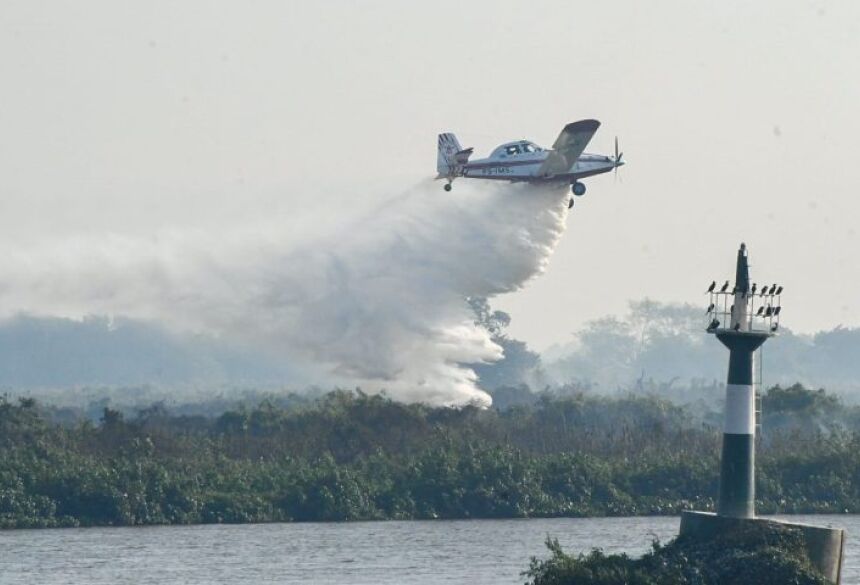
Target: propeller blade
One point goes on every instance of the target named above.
(618, 156)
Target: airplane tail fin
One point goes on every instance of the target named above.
(450, 155)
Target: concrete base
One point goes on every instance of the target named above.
(825, 546)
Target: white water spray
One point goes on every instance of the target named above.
(378, 303)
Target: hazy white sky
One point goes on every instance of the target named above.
(739, 121)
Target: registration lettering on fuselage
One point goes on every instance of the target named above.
(497, 171)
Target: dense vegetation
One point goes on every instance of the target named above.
(349, 456)
(754, 553)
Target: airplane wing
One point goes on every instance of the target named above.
(568, 146)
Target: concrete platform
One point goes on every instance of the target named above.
(825, 546)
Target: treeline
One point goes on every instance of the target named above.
(658, 343)
(349, 456)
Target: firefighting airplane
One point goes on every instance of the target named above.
(524, 161)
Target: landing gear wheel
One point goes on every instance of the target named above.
(570, 203)
(578, 189)
(447, 186)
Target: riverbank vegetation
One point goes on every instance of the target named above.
(349, 456)
(765, 554)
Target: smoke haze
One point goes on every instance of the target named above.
(378, 301)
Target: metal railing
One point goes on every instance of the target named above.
(749, 312)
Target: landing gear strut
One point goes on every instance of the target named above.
(578, 188)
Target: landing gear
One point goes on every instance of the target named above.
(570, 203)
(447, 186)
(578, 189)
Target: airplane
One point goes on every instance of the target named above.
(525, 161)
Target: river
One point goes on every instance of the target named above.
(472, 552)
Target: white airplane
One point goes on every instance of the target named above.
(525, 161)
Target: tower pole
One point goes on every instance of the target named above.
(737, 466)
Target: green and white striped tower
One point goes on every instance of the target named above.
(743, 317)
(751, 318)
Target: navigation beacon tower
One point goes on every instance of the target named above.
(742, 318)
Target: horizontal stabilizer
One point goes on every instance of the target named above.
(462, 156)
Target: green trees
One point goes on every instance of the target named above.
(351, 456)
(519, 365)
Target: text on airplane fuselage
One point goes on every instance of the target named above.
(497, 171)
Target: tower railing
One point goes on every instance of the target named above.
(755, 313)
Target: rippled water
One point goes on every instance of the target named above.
(475, 552)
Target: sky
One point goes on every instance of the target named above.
(738, 121)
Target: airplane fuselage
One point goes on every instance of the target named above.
(526, 166)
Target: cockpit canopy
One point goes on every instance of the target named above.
(518, 148)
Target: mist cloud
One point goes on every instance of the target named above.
(377, 301)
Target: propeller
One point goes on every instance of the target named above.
(618, 156)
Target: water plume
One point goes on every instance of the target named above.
(379, 301)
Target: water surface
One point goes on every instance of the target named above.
(473, 552)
